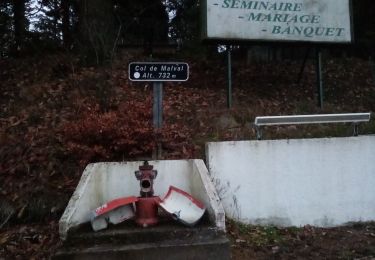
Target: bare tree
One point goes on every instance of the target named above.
(97, 29)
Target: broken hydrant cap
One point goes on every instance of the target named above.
(182, 206)
(114, 211)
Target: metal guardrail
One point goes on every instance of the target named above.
(354, 118)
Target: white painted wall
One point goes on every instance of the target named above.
(102, 182)
(322, 182)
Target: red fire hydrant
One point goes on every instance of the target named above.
(147, 204)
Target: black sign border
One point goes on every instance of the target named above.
(158, 80)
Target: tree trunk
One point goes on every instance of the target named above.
(66, 32)
(97, 29)
(19, 20)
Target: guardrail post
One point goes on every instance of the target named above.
(258, 131)
(355, 129)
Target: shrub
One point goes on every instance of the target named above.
(124, 133)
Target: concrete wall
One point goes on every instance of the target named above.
(322, 182)
(102, 182)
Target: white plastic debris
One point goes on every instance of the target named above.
(114, 212)
(182, 206)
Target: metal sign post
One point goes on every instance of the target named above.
(158, 72)
(157, 106)
(319, 77)
(157, 112)
(229, 90)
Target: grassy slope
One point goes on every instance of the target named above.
(40, 97)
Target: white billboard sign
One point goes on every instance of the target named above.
(325, 21)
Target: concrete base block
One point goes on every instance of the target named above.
(216, 249)
(166, 241)
(102, 182)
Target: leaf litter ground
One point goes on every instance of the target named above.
(56, 116)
